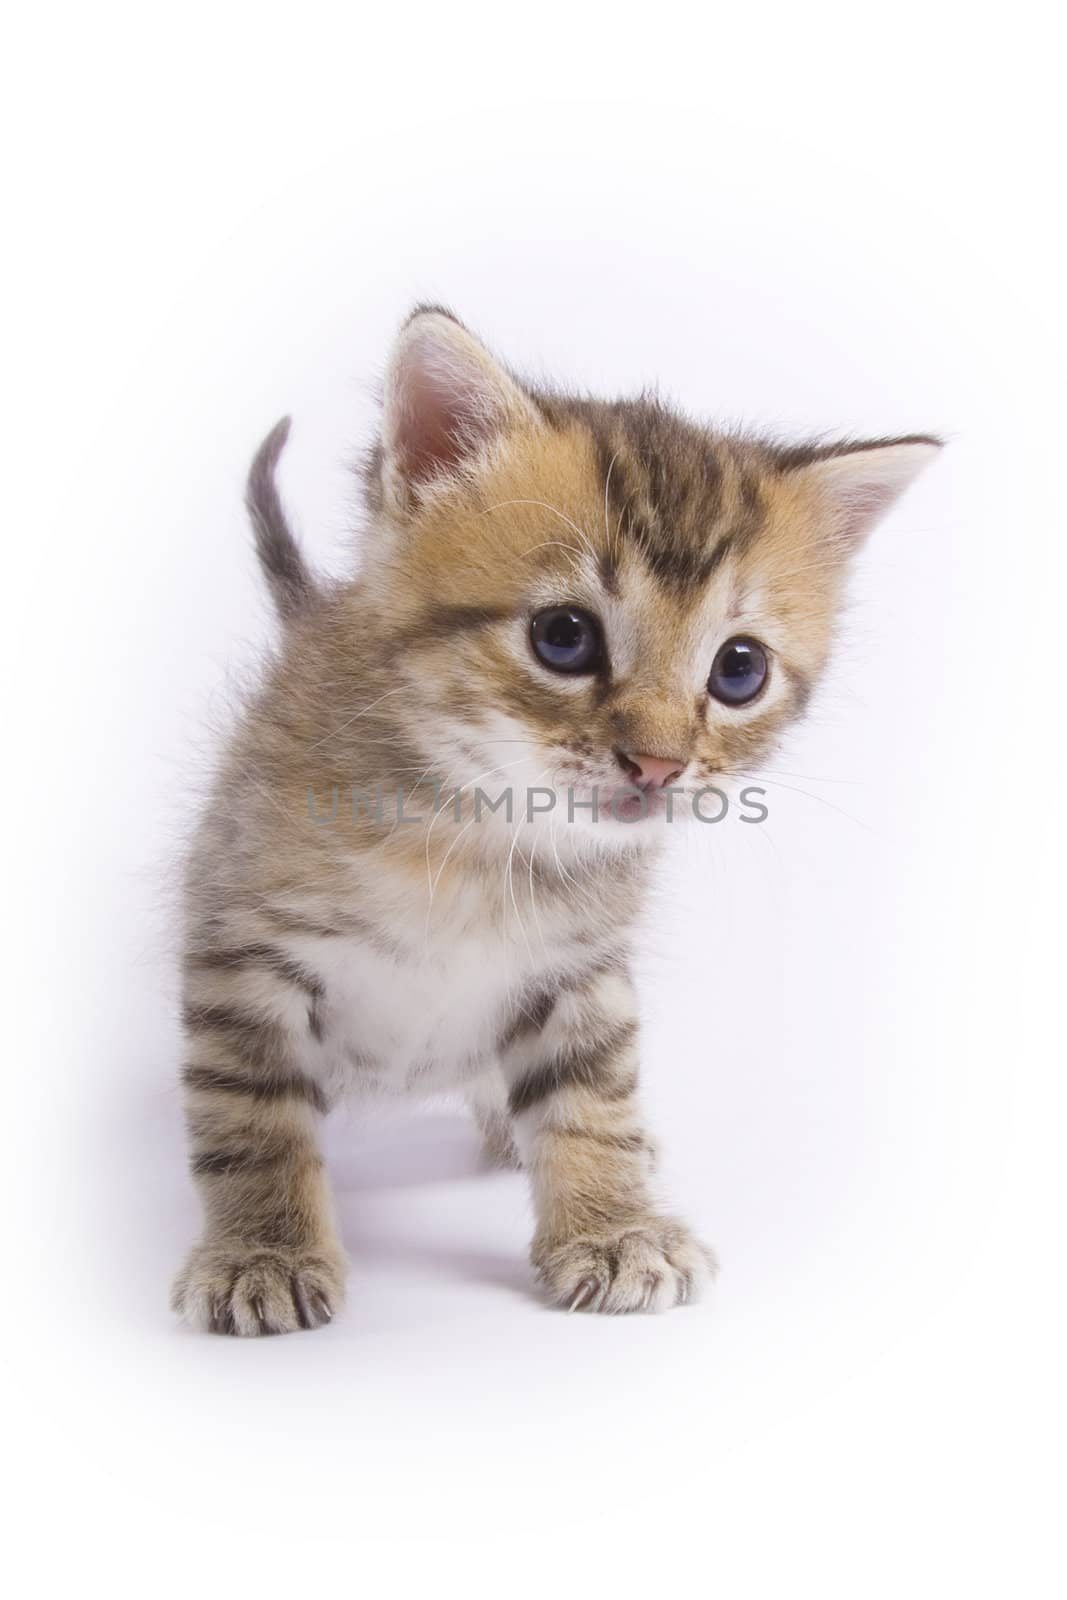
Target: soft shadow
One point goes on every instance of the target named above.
(405, 1152)
(419, 1149)
(491, 1267)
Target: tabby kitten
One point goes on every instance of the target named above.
(590, 602)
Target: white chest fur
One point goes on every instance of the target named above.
(427, 1017)
(420, 992)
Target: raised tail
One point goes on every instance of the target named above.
(291, 585)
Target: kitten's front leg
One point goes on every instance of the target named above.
(269, 1260)
(601, 1244)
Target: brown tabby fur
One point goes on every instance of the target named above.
(297, 933)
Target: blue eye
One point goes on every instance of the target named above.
(567, 639)
(738, 672)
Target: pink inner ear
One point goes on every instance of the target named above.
(433, 423)
(439, 415)
(863, 483)
(863, 503)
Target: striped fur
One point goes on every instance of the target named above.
(332, 951)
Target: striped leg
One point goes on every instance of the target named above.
(600, 1244)
(269, 1260)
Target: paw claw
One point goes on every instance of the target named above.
(644, 1268)
(584, 1294)
(303, 1312)
(250, 1292)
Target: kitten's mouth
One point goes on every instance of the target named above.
(639, 805)
(628, 803)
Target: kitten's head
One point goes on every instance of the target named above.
(582, 594)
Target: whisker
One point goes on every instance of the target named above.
(430, 879)
(533, 900)
(556, 512)
(554, 544)
(820, 799)
(607, 487)
(509, 880)
(332, 735)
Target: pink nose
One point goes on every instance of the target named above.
(651, 772)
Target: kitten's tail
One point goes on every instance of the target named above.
(291, 585)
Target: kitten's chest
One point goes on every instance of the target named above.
(430, 1022)
(423, 1002)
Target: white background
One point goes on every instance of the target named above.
(809, 217)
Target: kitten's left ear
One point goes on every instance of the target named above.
(446, 398)
(857, 483)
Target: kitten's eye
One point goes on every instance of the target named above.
(738, 672)
(567, 639)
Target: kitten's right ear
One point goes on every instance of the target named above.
(446, 399)
(857, 482)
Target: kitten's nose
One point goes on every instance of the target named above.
(651, 772)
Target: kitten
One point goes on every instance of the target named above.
(596, 603)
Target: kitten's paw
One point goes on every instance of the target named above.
(651, 1267)
(253, 1290)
